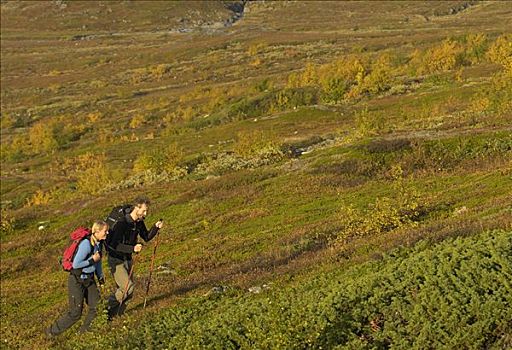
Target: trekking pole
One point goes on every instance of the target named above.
(127, 284)
(151, 270)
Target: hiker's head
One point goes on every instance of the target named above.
(140, 208)
(99, 230)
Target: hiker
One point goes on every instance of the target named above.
(81, 281)
(121, 243)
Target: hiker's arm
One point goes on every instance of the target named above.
(99, 270)
(80, 261)
(125, 248)
(98, 267)
(145, 234)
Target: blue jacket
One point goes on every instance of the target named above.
(83, 259)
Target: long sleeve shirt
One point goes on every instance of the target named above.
(123, 237)
(83, 259)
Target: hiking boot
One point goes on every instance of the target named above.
(112, 312)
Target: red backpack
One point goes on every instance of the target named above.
(76, 236)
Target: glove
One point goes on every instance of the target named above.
(101, 281)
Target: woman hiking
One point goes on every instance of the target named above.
(81, 281)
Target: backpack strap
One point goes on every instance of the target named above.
(78, 272)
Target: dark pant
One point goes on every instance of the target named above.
(79, 290)
(121, 271)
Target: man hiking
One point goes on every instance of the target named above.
(121, 243)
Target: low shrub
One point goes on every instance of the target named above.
(92, 173)
(148, 177)
(384, 215)
(7, 223)
(159, 159)
(222, 163)
(449, 154)
(444, 57)
(39, 198)
(386, 146)
(250, 143)
(293, 98)
(41, 138)
(475, 47)
(369, 123)
(500, 51)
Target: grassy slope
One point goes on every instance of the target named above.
(247, 227)
(425, 297)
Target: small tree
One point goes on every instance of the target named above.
(444, 57)
(39, 198)
(249, 144)
(159, 160)
(310, 76)
(475, 47)
(91, 172)
(41, 138)
(380, 77)
(137, 121)
(500, 51)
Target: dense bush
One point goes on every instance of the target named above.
(443, 57)
(148, 177)
(41, 138)
(346, 78)
(404, 208)
(222, 163)
(159, 159)
(293, 97)
(264, 103)
(7, 223)
(451, 153)
(437, 155)
(496, 99)
(92, 173)
(500, 51)
(249, 144)
(39, 198)
(475, 46)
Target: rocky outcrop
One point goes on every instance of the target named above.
(238, 9)
(457, 8)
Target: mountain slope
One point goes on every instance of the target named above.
(279, 145)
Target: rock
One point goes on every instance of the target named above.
(219, 289)
(60, 4)
(164, 266)
(165, 269)
(255, 290)
(460, 211)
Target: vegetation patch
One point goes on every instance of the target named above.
(425, 297)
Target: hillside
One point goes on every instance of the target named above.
(293, 148)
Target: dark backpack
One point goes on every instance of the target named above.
(117, 214)
(77, 236)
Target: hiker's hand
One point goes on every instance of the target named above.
(101, 281)
(159, 224)
(96, 257)
(137, 248)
